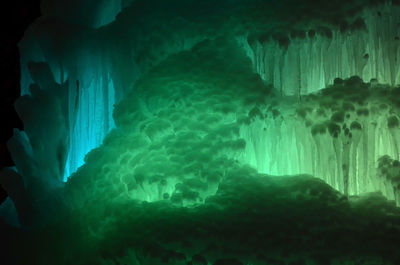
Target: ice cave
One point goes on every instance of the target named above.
(203, 132)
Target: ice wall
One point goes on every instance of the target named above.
(100, 66)
(193, 136)
(337, 134)
(78, 62)
(307, 60)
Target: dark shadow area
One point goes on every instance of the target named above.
(19, 15)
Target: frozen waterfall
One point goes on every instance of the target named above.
(307, 61)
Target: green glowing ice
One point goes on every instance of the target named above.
(178, 131)
(197, 116)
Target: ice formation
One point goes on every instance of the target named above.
(97, 72)
(367, 47)
(337, 134)
(89, 92)
(192, 115)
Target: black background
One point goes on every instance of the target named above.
(16, 16)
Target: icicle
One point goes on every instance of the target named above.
(339, 164)
(346, 142)
(393, 125)
(369, 48)
(355, 130)
(317, 133)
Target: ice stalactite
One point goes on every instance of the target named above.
(337, 134)
(355, 130)
(83, 68)
(393, 125)
(305, 62)
(347, 142)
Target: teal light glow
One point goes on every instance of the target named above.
(93, 120)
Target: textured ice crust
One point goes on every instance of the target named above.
(178, 131)
(252, 219)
